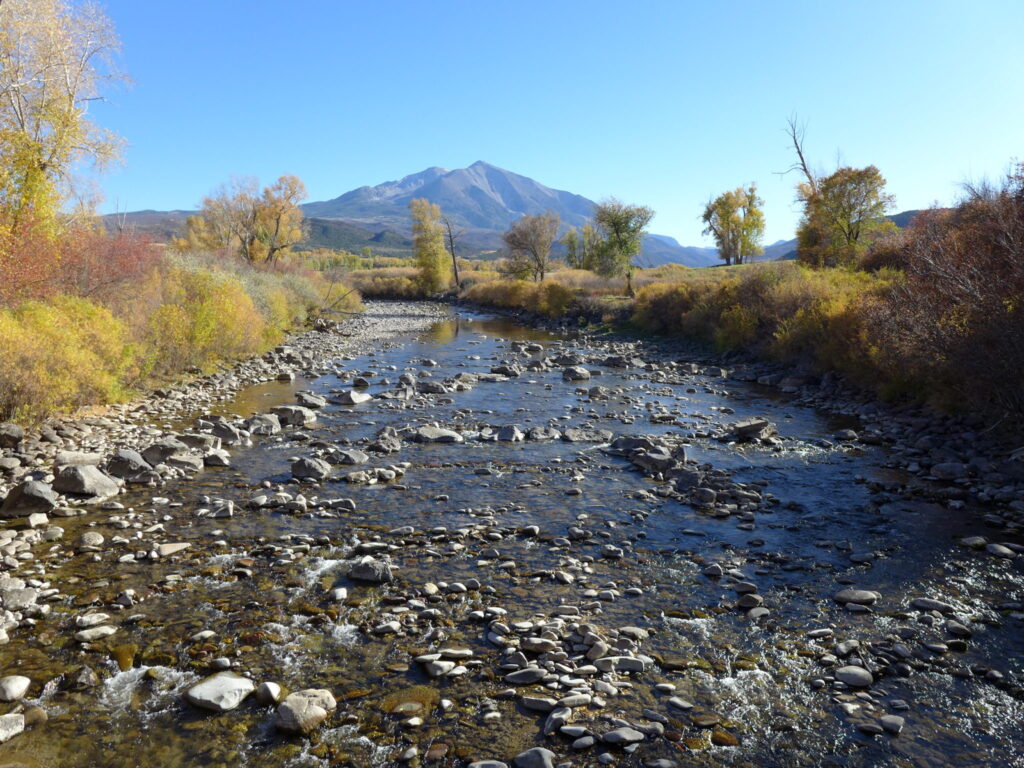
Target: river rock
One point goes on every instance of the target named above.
(624, 735)
(28, 497)
(856, 677)
(166, 550)
(220, 692)
(856, 596)
(11, 726)
(371, 570)
(268, 693)
(352, 397)
(10, 435)
(349, 456)
(753, 429)
(430, 434)
(293, 415)
(308, 468)
(77, 459)
(302, 711)
(586, 435)
(127, 464)
(930, 604)
(14, 687)
(576, 373)
(538, 757)
(263, 424)
(85, 480)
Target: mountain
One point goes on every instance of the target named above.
(482, 199)
(481, 196)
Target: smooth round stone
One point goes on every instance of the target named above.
(220, 692)
(856, 596)
(13, 687)
(856, 677)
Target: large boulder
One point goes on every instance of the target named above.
(302, 711)
(263, 424)
(85, 480)
(220, 692)
(293, 415)
(576, 373)
(174, 453)
(748, 430)
(310, 469)
(28, 497)
(127, 464)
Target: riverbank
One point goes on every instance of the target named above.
(35, 453)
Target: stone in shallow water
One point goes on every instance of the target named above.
(437, 435)
(220, 692)
(13, 687)
(302, 711)
(31, 496)
(11, 726)
(371, 570)
(624, 735)
(857, 677)
(856, 596)
(538, 757)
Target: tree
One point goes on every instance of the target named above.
(843, 216)
(622, 228)
(55, 59)
(452, 233)
(581, 247)
(529, 241)
(843, 213)
(428, 246)
(736, 222)
(259, 226)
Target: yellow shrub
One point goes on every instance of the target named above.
(206, 316)
(61, 354)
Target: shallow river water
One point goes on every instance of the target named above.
(753, 679)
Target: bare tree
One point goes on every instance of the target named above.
(452, 234)
(530, 238)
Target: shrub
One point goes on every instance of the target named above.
(957, 319)
(60, 354)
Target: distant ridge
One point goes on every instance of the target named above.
(482, 199)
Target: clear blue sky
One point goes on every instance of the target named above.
(661, 103)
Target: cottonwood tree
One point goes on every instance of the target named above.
(843, 212)
(736, 221)
(581, 247)
(428, 246)
(56, 57)
(622, 230)
(260, 226)
(529, 242)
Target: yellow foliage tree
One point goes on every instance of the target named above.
(55, 58)
(259, 226)
(428, 246)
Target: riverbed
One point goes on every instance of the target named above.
(664, 624)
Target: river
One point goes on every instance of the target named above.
(612, 554)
